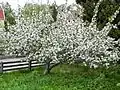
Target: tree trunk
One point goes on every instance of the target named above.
(49, 67)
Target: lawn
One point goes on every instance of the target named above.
(63, 77)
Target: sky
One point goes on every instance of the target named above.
(14, 3)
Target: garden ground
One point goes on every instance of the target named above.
(63, 77)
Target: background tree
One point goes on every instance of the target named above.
(29, 9)
(9, 16)
(106, 9)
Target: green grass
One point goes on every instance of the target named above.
(63, 77)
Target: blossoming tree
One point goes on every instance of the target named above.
(69, 39)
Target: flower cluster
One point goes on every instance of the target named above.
(70, 38)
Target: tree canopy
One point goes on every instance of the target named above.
(69, 39)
